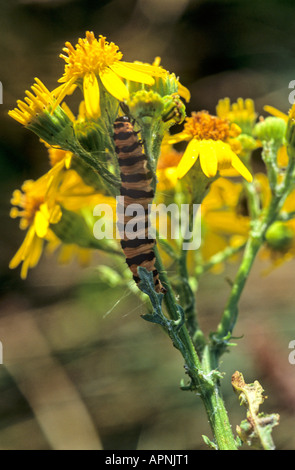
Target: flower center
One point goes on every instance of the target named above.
(203, 125)
(28, 203)
(90, 55)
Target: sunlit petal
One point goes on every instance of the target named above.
(189, 158)
(147, 69)
(41, 221)
(240, 167)
(91, 95)
(23, 249)
(208, 158)
(275, 112)
(125, 71)
(114, 85)
(184, 92)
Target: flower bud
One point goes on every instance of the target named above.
(279, 236)
(271, 129)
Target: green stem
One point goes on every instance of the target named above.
(253, 200)
(230, 314)
(218, 258)
(216, 411)
(203, 379)
(187, 294)
(269, 153)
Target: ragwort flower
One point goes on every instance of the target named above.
(211, 139)
(241, 113)
(223, 222)
(93, 60)
(42, 205)
(37, 211)
(36, 101)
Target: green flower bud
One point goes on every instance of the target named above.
(279, 236)
(148, 106)
(271, 129)
(91, 136)
(145, 106)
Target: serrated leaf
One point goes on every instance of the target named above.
(256, 430)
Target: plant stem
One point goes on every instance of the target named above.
(203, 378)
(230, 313)
(218, 258)
(215, 408)
(187, 294)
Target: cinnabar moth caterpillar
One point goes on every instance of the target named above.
(136, 188)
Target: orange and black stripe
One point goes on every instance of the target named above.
(136, 188)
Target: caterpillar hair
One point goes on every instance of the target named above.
(136, 188)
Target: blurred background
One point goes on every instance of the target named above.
(81, 369)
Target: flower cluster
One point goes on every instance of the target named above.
(214, 168)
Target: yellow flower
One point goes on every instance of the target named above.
(39, 204)
(57, 156)
(223, 223)
(73, 194)
(68, 252)
(242, 113)
(167, 169)
(210, 139)
(37, 211)
(165, 83)
(95, 58)
(35, 103)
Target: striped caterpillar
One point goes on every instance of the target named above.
(136, 189)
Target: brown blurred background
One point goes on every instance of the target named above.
(75, 377)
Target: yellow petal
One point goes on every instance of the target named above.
(123, 70)
(35, 252)
(32, 255)
(114, 85)
(68, 112)
(240, 167)
(24, 269)
(184, 92)
(147, 68)
(208, 158)
(213, 243)
(180, 137)
(55, 215)
(91, 95)
(189, 158)
(63, 90)
(228, 223)
(41, 221)
(282, 156)
(23, 249)
(18, 116)
(275, 112)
